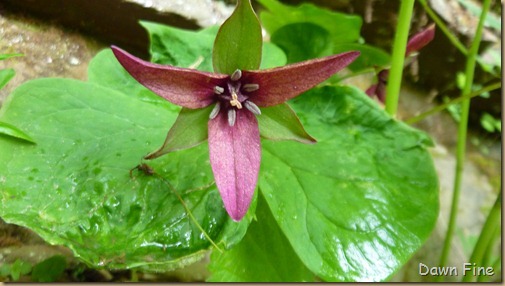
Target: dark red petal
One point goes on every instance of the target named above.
(235, 155)
(421, 39)
(372, 90)
(185, 87)
(277, 85)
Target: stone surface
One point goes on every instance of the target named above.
(48, 51)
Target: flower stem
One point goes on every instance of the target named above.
(441, 107)
(398, 56)
(485, 237)
(462, 130)
(441, 25)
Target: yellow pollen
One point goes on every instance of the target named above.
(234, 100)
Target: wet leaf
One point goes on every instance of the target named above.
(238, 42)
(356, 205)
(182, 48)
(264, 255)
(11, 130)
(89, 136)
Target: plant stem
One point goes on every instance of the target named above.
(462, 130)
(441, 107)
(441, 25)
(398, 56)
(485, 237)
(488, 253)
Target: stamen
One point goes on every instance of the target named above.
(234, 100)
(251, 87)
(232, 116)
(236, 75)
(215, 111)
(218, 90)
(252, 107)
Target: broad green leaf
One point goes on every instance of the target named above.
(5, 76)
(272, 56)
(264, 255)
(343, 28)
(11, 130)
(179, 47)
(50, 269)
(281, 123)
(303, 41)
(369, 57)
(183, 48)
(239, 41)
(359, 203)
(74, 187)
(105, 70)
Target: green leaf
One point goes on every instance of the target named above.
(182, 48)
(359, 203)
(5, 76)
(264, 255)
(74, 187)
(50, 269)
(13, 131)
(105, 70)
(370, 56)
(8, 56)
(281, 123)
(343, 28)
(303, 41)
(239, 41)
(19, 268)
(272, 56)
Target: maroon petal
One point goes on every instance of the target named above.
(185, 87)
(277, 85)
(421, 39)
(235, 155)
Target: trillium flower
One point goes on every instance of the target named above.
(415, 43)
(233, 103)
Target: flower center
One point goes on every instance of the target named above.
(234, 97)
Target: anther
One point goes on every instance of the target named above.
(236, 75)
(234, 100)
(218, 90)
(232, 116)
(215, 111)
(252, 107)
(250, 87)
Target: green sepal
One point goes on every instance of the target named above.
(189, 130)
(281, 123)
(238, 42)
